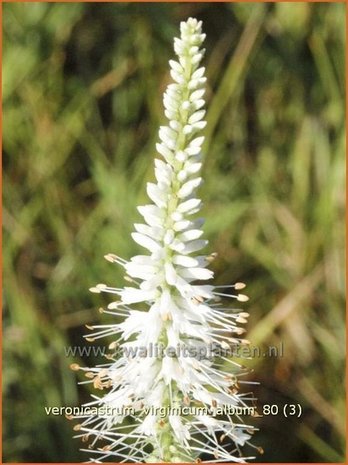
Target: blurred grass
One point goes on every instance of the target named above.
(82, 88)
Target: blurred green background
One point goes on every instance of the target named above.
(82, 101)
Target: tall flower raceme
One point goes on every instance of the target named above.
(172, 385)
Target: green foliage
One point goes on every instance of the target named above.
(82, 86)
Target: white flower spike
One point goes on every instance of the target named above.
(179, 403)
